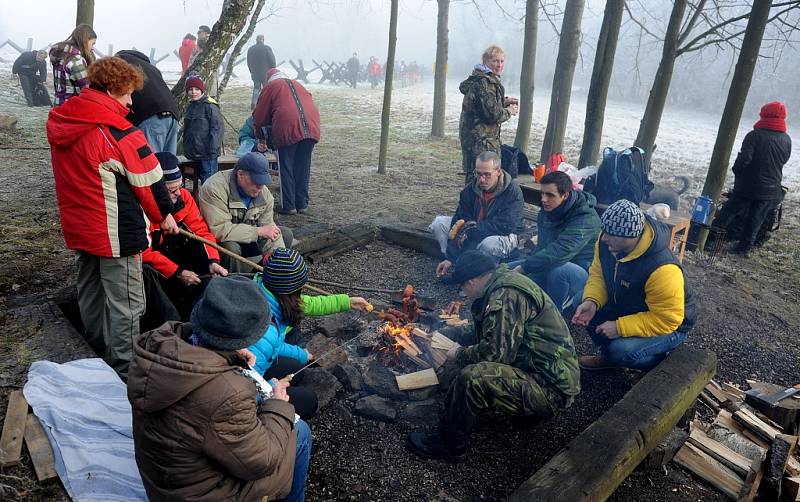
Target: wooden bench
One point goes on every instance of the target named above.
(191, 171)
(678, 224)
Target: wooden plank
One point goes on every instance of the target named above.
(13, 429)
(602, 456)
(736, 462)
(725, 419)
(734, 391)
(756, 425)
(417, 380)
(717, 393)
(410, 237)
(39, 449)
(708, 469)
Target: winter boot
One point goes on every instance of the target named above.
(436, 445)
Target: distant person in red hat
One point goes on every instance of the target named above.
(758, 170)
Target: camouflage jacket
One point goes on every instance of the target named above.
(515, 323)
(482, 112)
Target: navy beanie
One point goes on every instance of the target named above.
(169, 164)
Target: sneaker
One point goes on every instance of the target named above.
(594, 363)
(287, 211)
(302, 211)
(432, 445)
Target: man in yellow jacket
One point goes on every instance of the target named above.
(636, 305)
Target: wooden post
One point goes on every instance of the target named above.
(387, 89)
(601, 457)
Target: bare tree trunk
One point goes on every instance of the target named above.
(562, 79)
(85, 12)
(601, 78)
(237, 49)
(648, 128)
(737, 95)
(440, 77)
(230, 23)
(387, 89)
(526, 82)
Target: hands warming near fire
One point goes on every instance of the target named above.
(443, 267)
(585, 313)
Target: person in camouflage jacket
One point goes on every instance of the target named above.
(522, 363)
(484, 108)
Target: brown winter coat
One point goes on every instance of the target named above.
(195, 427)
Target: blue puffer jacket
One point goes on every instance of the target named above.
(273, 344)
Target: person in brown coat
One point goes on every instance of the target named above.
(205, 427)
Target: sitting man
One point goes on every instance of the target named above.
(568, 229)
(205, 427)
(636, 304)
(238, 208)
(488, 218)
(174, 263)
(521, 362)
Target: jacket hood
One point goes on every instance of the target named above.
(165, 368)
(477, 76)
(131, 53)
(79, 115)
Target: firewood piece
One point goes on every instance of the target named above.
(39, 449)
(714, 389)
(417, 380)
(13, 429)
(419, 362)
(725, 419)
(703, 465)
(733, 391)
(779, 453)
(420, 333)
(793, 467)
(709, 400)
(756, 425)
(408, 345)
(736, 462)
(457, 322)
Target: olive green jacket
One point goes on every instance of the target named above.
(482, 112)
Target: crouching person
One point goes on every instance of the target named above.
(521, 362)
(636, 304)
(205, 427)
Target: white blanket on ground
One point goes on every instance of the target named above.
(84, 409)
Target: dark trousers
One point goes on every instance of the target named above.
(753, 211)
(295, 171)
(303, 399)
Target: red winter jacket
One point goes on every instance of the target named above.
(185, 53)
(190, 218)
(109, 185)
(277, 107)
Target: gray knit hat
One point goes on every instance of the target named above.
(623, 218)
(231, 314)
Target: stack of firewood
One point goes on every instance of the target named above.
(428, 351)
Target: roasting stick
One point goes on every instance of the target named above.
(288, 378)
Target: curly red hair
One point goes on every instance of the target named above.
(114, 75)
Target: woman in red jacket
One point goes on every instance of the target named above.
(287, 110)
(108, 185)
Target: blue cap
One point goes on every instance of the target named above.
(256, 166)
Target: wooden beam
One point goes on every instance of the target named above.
(417, 380)
(604, 454)
(39, 449)
(410, 237)
(13, 429)
(704, 466)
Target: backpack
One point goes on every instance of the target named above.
(621, 175)
(554, 161)
(514, 161)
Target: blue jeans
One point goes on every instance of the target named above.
(161, 133)
(562, 283)
(207, 168)
(301, 461)
(295, 170)
(637, 352)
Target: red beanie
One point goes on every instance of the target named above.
(195, 81)
(773, 117)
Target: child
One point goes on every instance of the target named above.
(202, 128)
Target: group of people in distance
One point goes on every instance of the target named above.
(211, 358)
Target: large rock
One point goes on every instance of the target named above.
(343, 326)
(323, 383)
(419, 413)
(380, 380)
(7, 121)
(349, 376)
(422, 394)
(320, 346)
(376, 407)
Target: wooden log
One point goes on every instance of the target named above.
(666, 449)
(417, 380)
(410, 237)
(714, 389)
(734, 461)
(703, 465)
(725, 419)
(39, 449)
(756, 425)
(793, 467)
(786, 413)
(733, 391)
(13, 429)
(603, 455)
(779, 453)
(416, 360)
(712, 403)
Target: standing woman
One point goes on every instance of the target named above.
(286, 109)
(70, 60)
(484, 108)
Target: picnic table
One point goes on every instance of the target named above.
(678, 224)
(190, 170)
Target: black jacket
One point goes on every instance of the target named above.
(27, 65)
(759, 165)
(202, 129)
(155, 97)
(260, 59)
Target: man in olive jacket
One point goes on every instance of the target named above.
(521, 362)
(206, 428)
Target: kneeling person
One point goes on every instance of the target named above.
(522, 363)
(636, 304)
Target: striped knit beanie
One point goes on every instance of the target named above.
(169, 165)
(623, 219)
(285, 271)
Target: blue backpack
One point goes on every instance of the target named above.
(621, 175)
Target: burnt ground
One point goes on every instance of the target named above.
(749, 315)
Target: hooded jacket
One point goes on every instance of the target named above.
(758, 168)
(155, 96)
(482, 112)
(109, 185)
(203, 129)
(185, 53)
(70, 71)
(195, 427)
(289, 108)
(567, 234)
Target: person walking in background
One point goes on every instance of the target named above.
(287, 110)
(154, 109)
(758, 172)
(202, 128)
(374, 71)
(260, 59)
(353, 67)
(188, 44)
(484, 108)
(70, 60)
(31, 69)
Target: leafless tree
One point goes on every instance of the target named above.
(85, 12)
(440, 72)
(387, 89)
